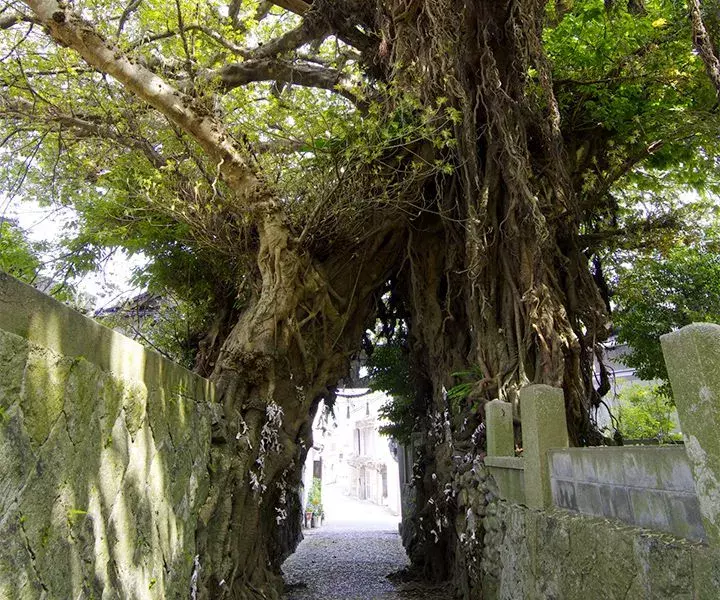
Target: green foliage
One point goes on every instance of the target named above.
(632, 84)
(635, 79)
(638, 115)
(663, 292)
(314, 504)
(18, 256)
(645, 413)
(461, 391)
(389, 371)
(170, 325)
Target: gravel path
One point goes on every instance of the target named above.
(350, 556)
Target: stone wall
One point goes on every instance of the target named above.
(559, 555)
(508, 551)
(104, 450)
(661, 537)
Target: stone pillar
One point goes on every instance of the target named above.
(499, 428)
(544, 426)
(692, 356)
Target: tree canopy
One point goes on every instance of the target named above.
(467, 172)
(663, 292)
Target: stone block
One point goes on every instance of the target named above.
(638, 472)
(684, 516)
(609, 466)
(584, 465)
(544, 426)
(508, 473)
(563, 493)
(692, 356)
(667, 567)
(619, 500)
(13, 355)
(561, 465)
(500, 432)
(649, 509)
(589, 499)
(673, 468)
(43, 395)
(706, 573)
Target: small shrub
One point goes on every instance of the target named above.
(644, 412)
(315, 498)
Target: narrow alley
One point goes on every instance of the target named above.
(350, 556)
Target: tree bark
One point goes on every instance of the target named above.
(508, 290)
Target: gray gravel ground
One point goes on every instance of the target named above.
(350, 556)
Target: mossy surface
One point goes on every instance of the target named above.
(104, 470)
(564, 556)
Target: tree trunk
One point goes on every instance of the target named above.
(507, 288)
(287, 351)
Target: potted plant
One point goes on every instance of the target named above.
(314, 505)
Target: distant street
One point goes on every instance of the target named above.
(350, 556)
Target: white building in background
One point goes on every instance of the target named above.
(349, 451)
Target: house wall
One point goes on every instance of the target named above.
(355, 455)
(104, 450)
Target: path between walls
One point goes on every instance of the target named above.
(351, 555)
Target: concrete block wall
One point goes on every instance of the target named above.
(668, 496)
(650, 487)
(509, 475)
(104, 449)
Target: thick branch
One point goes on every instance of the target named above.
(234, 7)
(309, 30)
(132, 6)
(621, 170)
(303, 74)
(704, 44)
(70, 29)
(215, 36)
(6, 22)
(633, 235)
(297, 6)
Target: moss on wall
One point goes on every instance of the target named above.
(555, 554)
(507, 551)
(103, 469)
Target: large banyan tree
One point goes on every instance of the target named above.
(458, 169)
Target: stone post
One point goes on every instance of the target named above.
(544, 426)
(499, 428)
(692, 356)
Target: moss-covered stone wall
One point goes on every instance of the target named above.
(507, 551)
(556, 554)
(104, 450)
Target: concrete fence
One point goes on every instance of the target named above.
(649, 487)
(610, 522)
(671, 489)
(526, 479)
